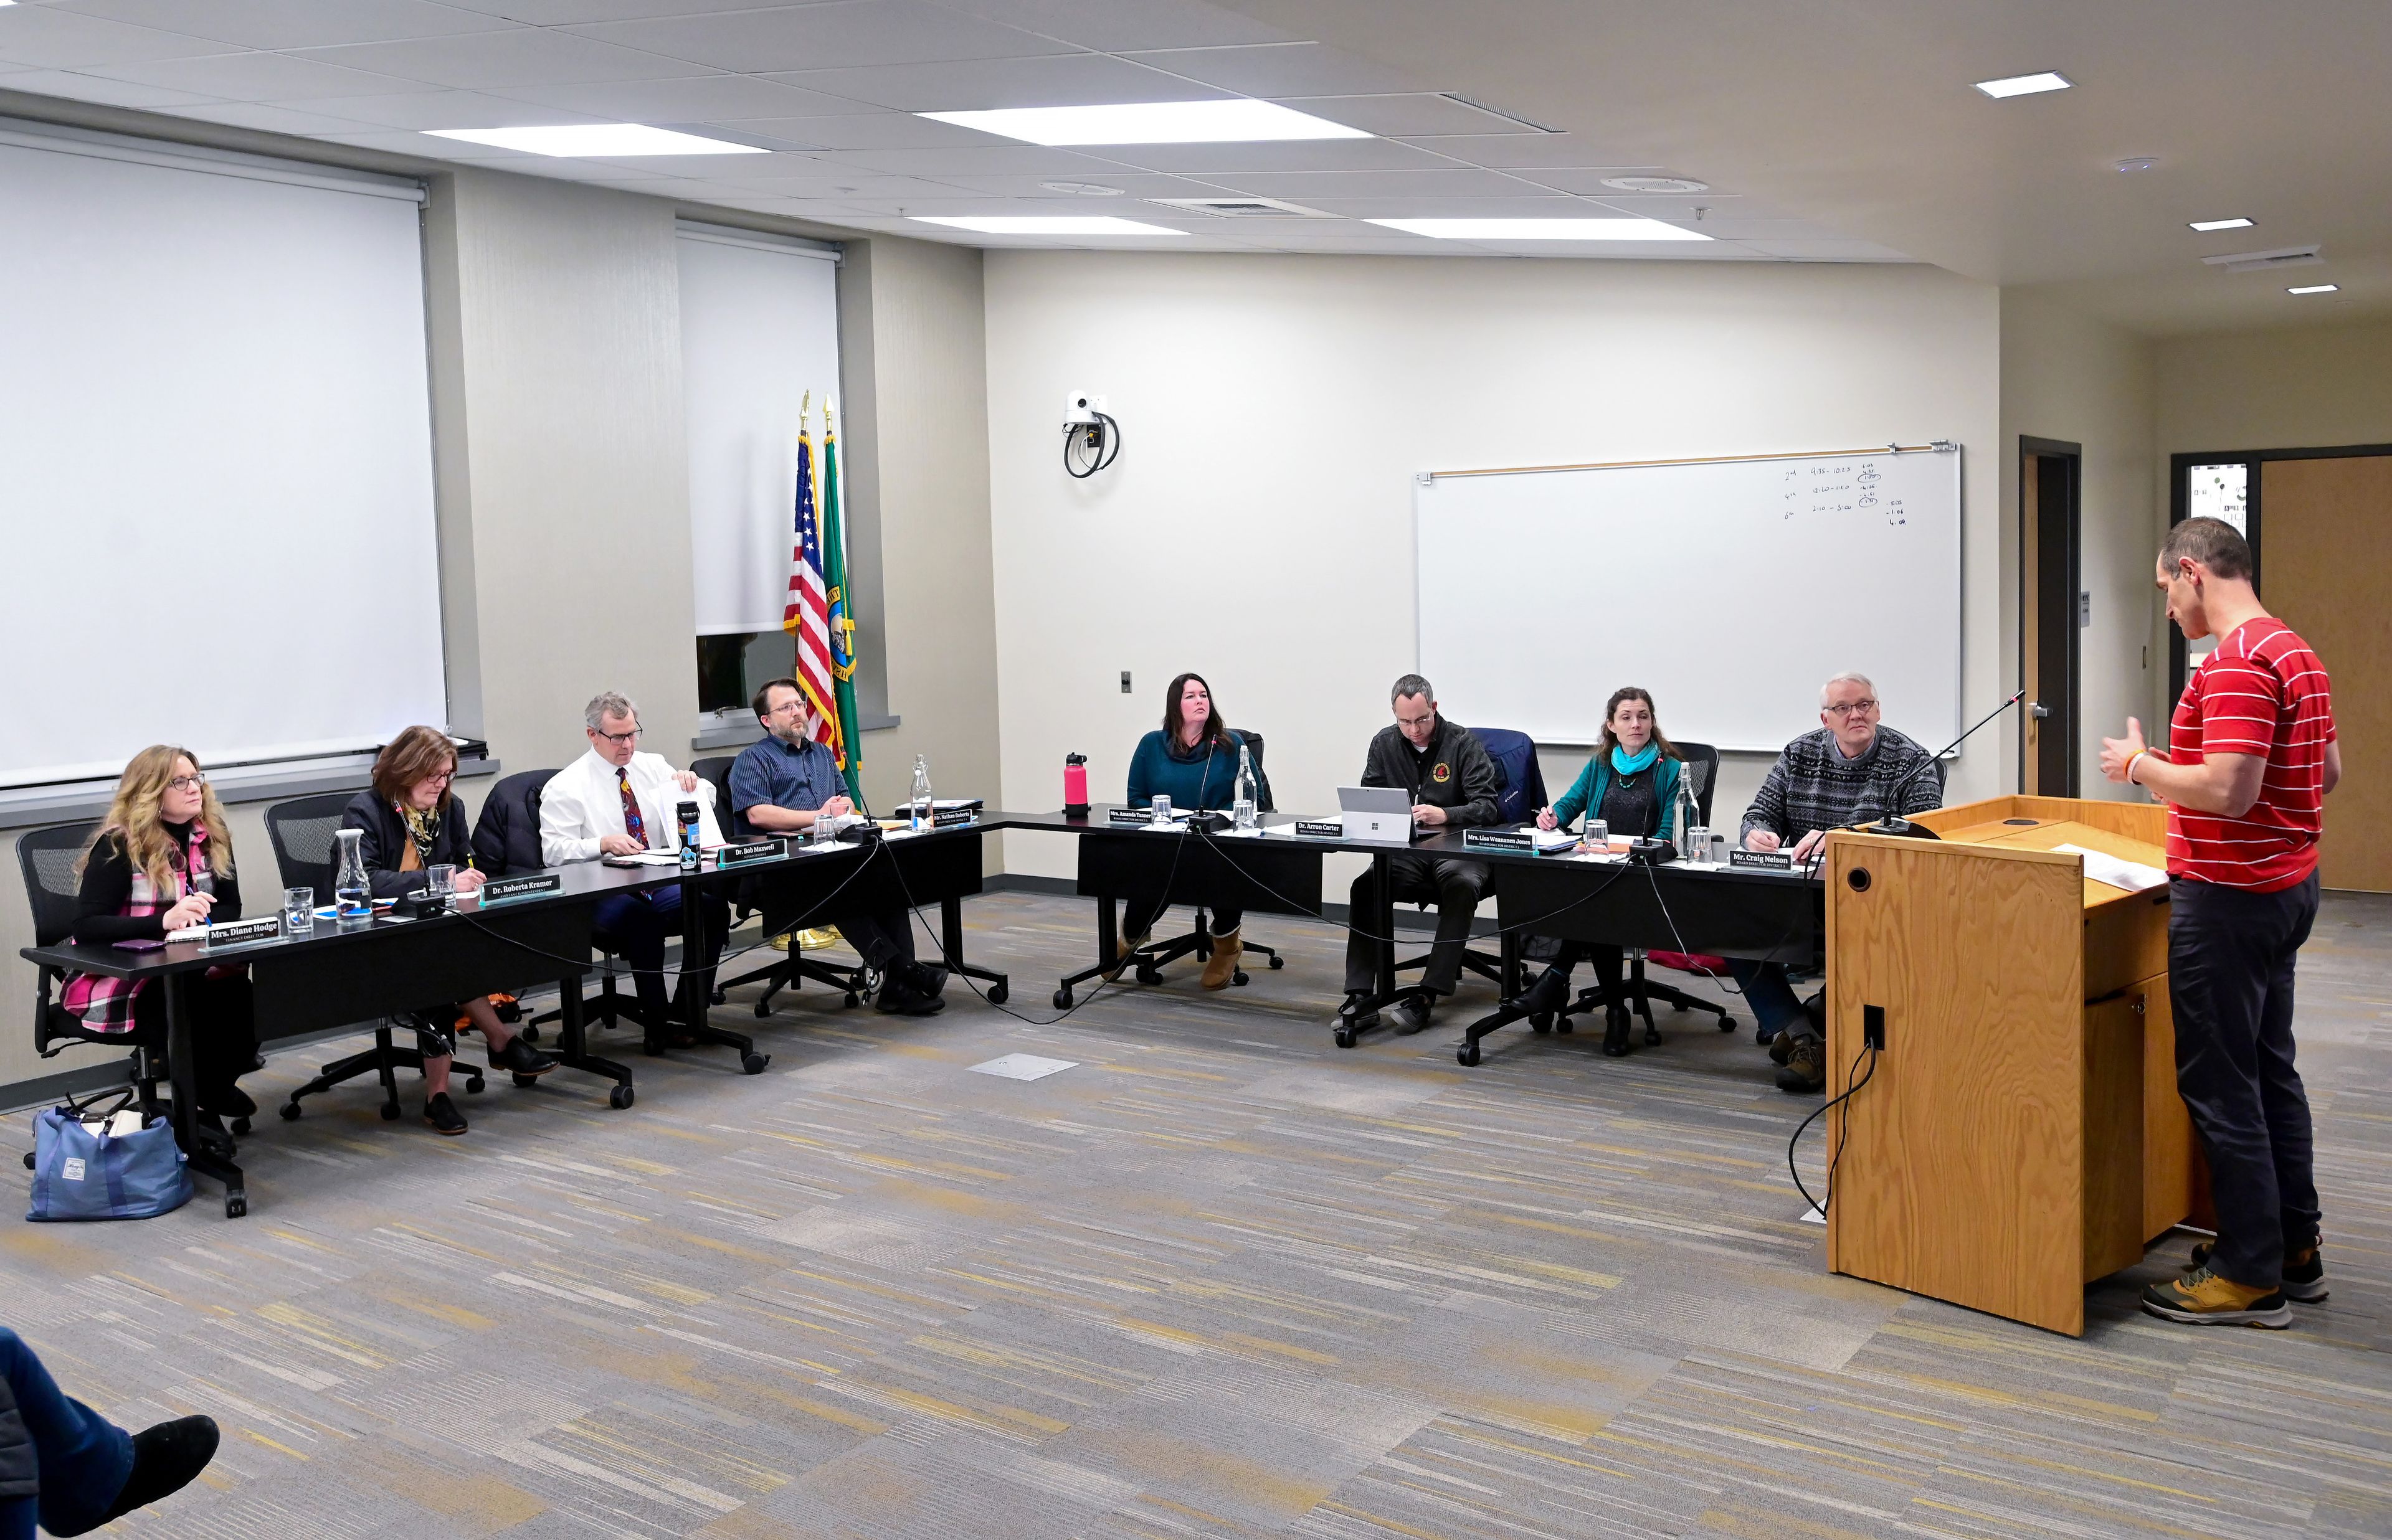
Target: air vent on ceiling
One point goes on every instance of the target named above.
(2261, 262)
(1244, 208)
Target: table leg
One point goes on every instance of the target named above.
(695, 1000)
(201, 1150)
(951, 940)
(1106, 933)
(574, 1043)
(1357, 1018)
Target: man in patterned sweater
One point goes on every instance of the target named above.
(1848, 771)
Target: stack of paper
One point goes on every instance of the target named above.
(2115, 871)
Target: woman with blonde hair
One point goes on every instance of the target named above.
(412, 822)
(162, 860)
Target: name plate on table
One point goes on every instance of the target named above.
(749, 852)
(1525, 842)
(1320, 828)
(1760, 861)
(499, 890)
(231, 933)
(1128, 817)
(953, 818)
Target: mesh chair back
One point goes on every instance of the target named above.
(1522, 789)
(48, 857)
(1701, 770)
(506, 837)
(716, 772)
(301, 832)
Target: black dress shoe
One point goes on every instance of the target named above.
(442, 1114)
(1548, 994)
(895, 997)
(165, 1458)
(519, 1057)
(924, 980)
(226, 1101)
(1617, 1024)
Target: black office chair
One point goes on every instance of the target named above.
(1701, 768)
(790, 972)
(302, 833)
(1519, 793)
(48, 859)
(1147, 962)
(506, 843)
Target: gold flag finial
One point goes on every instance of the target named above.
(805, 403)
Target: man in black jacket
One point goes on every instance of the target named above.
(1453, 784)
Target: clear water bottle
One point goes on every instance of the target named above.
(1685, 819)
(1245, 811)
(921, 793)
(352, 890)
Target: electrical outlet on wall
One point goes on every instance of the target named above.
(1124, 682)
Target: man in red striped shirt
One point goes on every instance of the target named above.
(2251, 756)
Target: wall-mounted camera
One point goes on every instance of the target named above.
(1091, 439)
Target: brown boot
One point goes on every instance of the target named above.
(1223, 963)
(1123, 947)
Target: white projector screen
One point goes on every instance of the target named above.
(1732, 590)
(759, 332)
(217, 427)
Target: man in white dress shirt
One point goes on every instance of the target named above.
(615, 801)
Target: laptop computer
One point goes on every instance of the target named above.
(1381, 814)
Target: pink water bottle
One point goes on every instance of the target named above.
(1076, 785)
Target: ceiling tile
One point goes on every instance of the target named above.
(269, 118)
(43, 37)
(1302, 155)
(98, 88)
(1135, 186)
(1415, 206)
(566, 13)
(1063, 80)
(1115, 26)
(1505, 151)
(1309, 187)
(843, 33)
(711, 99)
(497, 62)
(841, 187)
(255, 76)
(985, 159)
(1282, 70)
(398, 142)
(1589, 180)
(295, 23)
(429, 110)
(867, 128)
(1405, 112)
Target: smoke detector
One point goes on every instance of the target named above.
(1657, 183)
(2261, 262)
(1244, 208)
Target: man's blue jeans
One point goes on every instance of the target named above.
(82, 1456)
(1771, 997)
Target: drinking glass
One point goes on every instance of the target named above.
(1698, 841)
(298, 911)
(442, 881)
(1163, 809)
(1598, 835)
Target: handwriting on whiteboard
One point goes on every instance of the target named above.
(1845, 489)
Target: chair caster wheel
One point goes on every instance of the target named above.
(1562, 1025)
(240, 1128)
(236, 1205)
(1727, 1023)
(29, 1160)
(763, 1010)
(1541, 1023)
(290, 1112)
(1279, 962)
(390, 1112)
(1467, 1056)
(619, 1099)
(852, 999)
(999, 992)
(1652, 1037)
(1239, 978)
(716, 998)
(525, 1082)
(529, 1034)
(1347, 1037)
(1150, 976)
(1062, 1000)
(754, 1064)
(474, 1087)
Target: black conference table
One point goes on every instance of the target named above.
(342, 973)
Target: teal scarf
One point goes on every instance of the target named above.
(1629, 764)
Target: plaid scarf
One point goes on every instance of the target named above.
(423, 830)
(105, 1005)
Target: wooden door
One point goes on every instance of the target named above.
(2328, 543)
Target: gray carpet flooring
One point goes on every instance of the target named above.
(1217, 1278)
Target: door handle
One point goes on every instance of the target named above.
(2039, 711)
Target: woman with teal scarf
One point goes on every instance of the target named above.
(1630, 782)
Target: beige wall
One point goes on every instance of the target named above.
(2309, 388)
(1258, 525)
(2067, 376)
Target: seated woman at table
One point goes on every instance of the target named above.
(160, 861)
(1631, 783)
(1193, 759)
(413, 823)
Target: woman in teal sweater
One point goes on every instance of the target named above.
(1630, 782)
(1193, 759)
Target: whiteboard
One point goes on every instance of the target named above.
(1732, 590)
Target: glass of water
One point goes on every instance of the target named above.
(1598, 835)
(298, 911)
(1698, 844)
(442, 880)
(1163, 809)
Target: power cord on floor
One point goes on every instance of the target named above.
(1852, 1087)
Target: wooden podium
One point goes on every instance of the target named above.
(2020, 1134)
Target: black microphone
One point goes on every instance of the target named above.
(1894, 823)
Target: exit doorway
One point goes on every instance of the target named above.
(2052, 612)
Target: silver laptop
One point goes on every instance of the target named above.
(1382, 814)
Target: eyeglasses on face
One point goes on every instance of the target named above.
(1852, 708)
(440, 778)
(618, 739)
(187, 783)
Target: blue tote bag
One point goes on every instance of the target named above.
(82, 1173)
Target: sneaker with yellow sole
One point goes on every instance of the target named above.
(2303, 1272)
(2203, 1299)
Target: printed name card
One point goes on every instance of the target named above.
(951, 818)
(499, 890)
(748, 852)
(232, 933)
(1320, 828)
(1499, 839)
(1761, 861)
(1127, 817)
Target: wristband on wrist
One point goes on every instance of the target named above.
(2130, 765)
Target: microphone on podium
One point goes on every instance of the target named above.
(1894, 823)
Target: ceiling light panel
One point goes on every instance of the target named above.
(2237, 223)
(609, 139)
(2025, 85)
(1541, 229)
(1044, 224)
(1229, 121)
(2316, 289)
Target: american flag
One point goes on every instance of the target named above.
(807, 614)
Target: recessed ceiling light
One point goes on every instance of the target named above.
(1541, 229)
(1230, 121)
(597, 139)
(1015, 224)
(2237, 223)
(2135, 163)
(1657, 183)
(2316, 289)
(1082, 190)
(2025, 85)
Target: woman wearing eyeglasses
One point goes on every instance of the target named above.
(412, 822)
(160, 861)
